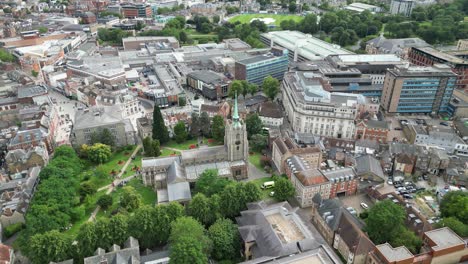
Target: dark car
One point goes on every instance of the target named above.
(444, 123)
(408, 196)
(398, 128)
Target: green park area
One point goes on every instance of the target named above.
(247, 18)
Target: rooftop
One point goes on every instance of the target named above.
(442, 55)
(96, 116)
(443, 238)
(209, 76)
(422, 71)
(31, 90)
(394, 254)
(309, 47)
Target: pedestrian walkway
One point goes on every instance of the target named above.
(111, 187)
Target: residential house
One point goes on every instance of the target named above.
(326, 216)
(404, 163)
(271, 114)
(373, 130)
(19, 159)
(223, 109)
(369, 168)
(366, 146)
(7, 254)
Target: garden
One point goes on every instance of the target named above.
(276, 19)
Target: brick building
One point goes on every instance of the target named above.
(373, 130)
(429, 56)
(137, 10)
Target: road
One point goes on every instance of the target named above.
(111, 187)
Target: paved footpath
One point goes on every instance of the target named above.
(111, 187)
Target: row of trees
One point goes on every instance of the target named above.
(113, 35)
(270, 87)
(53, 206)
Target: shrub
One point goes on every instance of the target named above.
(10, 230)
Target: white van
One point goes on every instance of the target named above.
(268, 185)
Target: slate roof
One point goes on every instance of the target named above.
(270, 109)
(179, 191)
(351, 233)
(96, 117)
(334, 207)
(31, 91)
(377, 124)
(369, 164)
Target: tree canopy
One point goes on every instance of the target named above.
(159, 128)
(271, 87)
(254, 125)
(218, 128)
(189, 243)
(283, 189)
(180, 132)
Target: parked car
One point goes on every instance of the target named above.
(390, 182)
(364, 206)
(398, 128)
(444, 123)
(408, 196)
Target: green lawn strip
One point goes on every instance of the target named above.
(246, 18)
(168, 152)
(182, 146)
(266, 192)
(129, 171)
(255, 160)
(113, 163)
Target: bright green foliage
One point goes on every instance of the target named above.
(283, 189)
(189, 244)
(200, 208)
(87, 188)
(50, 246)
(5, 56)
(258, 142)
(210, 183)
(159, 128)
(254, 125)
(87, 239)
(271, 87)
(236, 88)
(456, 225)
(130, 199)
(105, 201)
(226, 241)
(99, 153)
(385, 221)
(455, 204)
(112, 35)
(180, 132)
(218, 128)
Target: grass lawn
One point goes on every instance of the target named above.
(255, 160)
(113, 163)
(266, 192)
(129, 171)
(246, 18)
(182, 146)
(168, 152)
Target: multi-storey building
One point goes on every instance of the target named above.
(418, 89)
(402, 7)
(429, 56)
(311, 109)
(283, 149)
(255, 69)
(209, 83)
(137, 10)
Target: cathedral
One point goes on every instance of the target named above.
(230, 160)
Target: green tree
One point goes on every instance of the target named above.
(200, 209)
(105, 201)
(271, 87)
(104, 236)
(50, 246)
(309, 24)
(130, 199)
(6, 56)
(328, 21)
(118, 228)
(195, 125)
(180, 132)
(156, 146)
(205, 119)
(385, 221)
(87, 239)
(305, 7)
(159, 128)
(107, 138)
(189, 242)
(283, 189)
(182, 101)
(232, 201)
(254, 125)
(236, 88)
(456, 225)
(218, 128)
(210, 183)
(408, 239)
(226, 241)
(87, 188)
(253, 88)
(183, 36)
(148, 147)
(292, 7)
(252, 192)
(43, 30)
(187, 250)
(258, 142)
(216, 19)
(142, 225)
(99, 153)
(95, 138)
(455, 204)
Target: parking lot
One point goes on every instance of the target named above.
(355, 202)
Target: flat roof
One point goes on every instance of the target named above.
(394, 254)
(309, 47)
(444, 237)
(363, 58)
(422, 71)
(442, 55)
(286, 229)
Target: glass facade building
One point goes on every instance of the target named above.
(255, 69)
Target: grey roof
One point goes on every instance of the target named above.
(31, 90)
(203, 152)
(393, 45)
(210, 77)
(394, 254)
(331, 207)
(158, 162)
(28, 136)
(179, 191)
(270, 109)
(377, 124)
(367, 143)
(369, 164)
(96, 117)
(128, 255)
(175, 173)
(254, 100)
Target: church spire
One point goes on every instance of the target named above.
(235, 115)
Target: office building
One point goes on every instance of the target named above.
(402, 7)
(300, 46)
(429, 56)
(415, 89)
(137, 10)
(209, 83)
(255, 69)
(311, 109)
